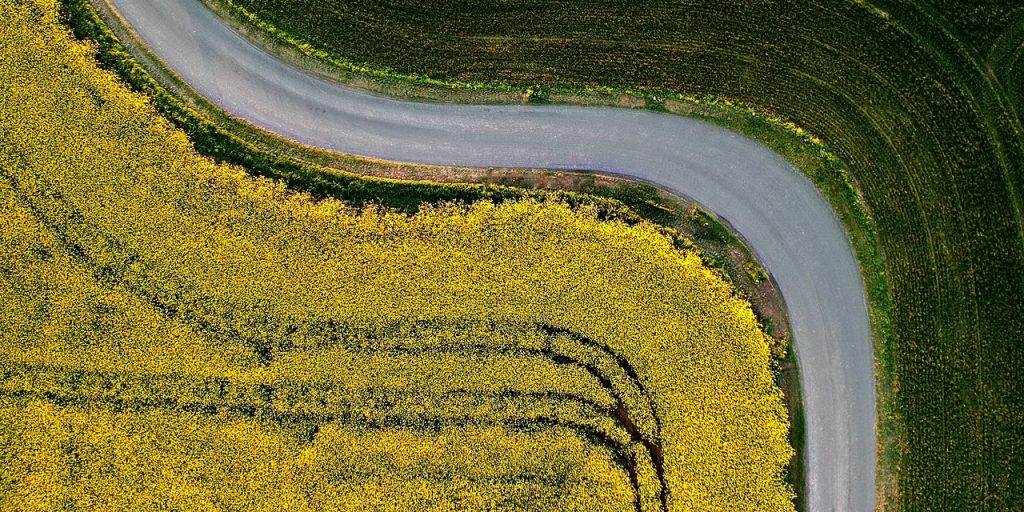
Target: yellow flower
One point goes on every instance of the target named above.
(177, 334)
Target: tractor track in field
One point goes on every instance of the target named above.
(776, 210)
(114, 276)
(276, 403)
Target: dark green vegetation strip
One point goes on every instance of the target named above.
(920, 102)
(222, 145)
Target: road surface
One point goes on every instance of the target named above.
(782, 216)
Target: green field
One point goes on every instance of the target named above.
(919, 101)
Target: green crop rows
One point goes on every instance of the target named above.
(919, 101)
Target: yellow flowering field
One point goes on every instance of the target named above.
(176, 334)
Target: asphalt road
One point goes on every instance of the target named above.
(783, 217)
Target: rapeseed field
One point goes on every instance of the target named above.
(177, 334)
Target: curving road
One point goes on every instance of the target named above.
(783, 217)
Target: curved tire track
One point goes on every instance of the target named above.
(114, 276)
